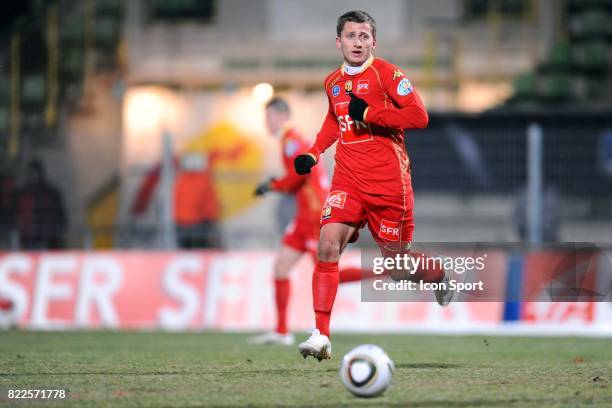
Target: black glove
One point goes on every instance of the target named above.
(303, 163)
(263, 188)
(357, 107)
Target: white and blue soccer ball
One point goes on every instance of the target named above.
(367, 371)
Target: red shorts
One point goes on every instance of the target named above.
(303, 236)
(389, 218)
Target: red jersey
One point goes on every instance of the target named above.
(371, 154)
(311, 190)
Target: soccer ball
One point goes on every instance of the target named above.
(366, 370)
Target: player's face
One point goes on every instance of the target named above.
(356, 42)
(274, 120)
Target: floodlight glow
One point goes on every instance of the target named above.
(144, 111)
(262, 92)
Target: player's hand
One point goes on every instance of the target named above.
(357, 107)
(303, 163)
(263, 188)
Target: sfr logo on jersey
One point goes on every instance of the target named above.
(363, 86)
(352, 131)
(336, 199)
(389, 230)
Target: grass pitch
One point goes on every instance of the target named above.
(188, 369)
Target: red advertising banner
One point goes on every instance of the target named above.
(191, 290)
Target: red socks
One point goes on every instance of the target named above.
(5, 304)
(282, 287)
(350, 275)
(325, 281)
(324, 287)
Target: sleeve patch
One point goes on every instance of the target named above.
(404, 87)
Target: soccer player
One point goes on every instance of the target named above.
(302, 234)
(371, 102)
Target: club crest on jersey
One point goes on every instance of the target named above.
(362, 86)
(336, 199)
(336, 91)
(326, 213)
(389, 230)
(404, 87)
(397, 73)
(348, 86)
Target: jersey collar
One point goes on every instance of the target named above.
(344, 68)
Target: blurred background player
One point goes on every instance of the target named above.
(302, 234)
(371, 102)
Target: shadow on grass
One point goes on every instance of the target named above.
(416, 366)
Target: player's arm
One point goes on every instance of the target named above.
(292, 181)
(325, 138)
(408, 112)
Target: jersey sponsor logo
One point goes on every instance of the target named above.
(397, 73)
(291, 148)
(404, 87)
(336, 91)
(351, 131)
(348, 86)
(336, 199)
(362, 86)
(326, 213)
(347, 123)
(389, 230)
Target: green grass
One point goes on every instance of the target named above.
(180, 369)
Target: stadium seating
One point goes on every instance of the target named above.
(576, 68)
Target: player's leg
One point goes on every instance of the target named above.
(7, 313)
(390, 220)
(285, 261)
(351, 274)
(346, 274)
(292, 249)
(287, 257)
(333, 239)
(342, 215)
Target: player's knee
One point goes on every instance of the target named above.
(329, 250)
(281, 270)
